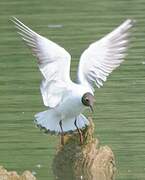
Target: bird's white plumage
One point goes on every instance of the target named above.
(103, 56)
(53, 62)
(58, 91)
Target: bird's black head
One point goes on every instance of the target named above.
(88, 100)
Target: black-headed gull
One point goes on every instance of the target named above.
(65, 99)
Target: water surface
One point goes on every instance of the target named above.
(120, 105)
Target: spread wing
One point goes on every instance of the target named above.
(53, 62)
(103, 56)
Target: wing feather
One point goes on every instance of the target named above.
(53, 62)
(103, 56)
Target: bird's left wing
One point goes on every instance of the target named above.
(53, 62)
(103, 56)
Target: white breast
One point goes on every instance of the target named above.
(71, 105)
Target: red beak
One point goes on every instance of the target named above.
(91, 107)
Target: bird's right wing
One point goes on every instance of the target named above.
(53, 62)
(103, 56)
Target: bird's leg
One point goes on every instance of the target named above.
(79, 131)
(62, 133)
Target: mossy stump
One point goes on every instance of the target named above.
(88, 161)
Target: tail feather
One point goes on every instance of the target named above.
(49, 121)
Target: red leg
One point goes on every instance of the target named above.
(62, 133)
(79, 131)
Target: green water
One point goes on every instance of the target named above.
(120, 105)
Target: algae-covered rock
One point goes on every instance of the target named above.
(12, 175)
(88, 161)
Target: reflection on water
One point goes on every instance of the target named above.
(88, 161)
(55, 25)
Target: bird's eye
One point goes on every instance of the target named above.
(87, 100)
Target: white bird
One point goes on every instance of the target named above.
(65, 99)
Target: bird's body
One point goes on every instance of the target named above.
(65, 99)
(68, 111)
(71, 105)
